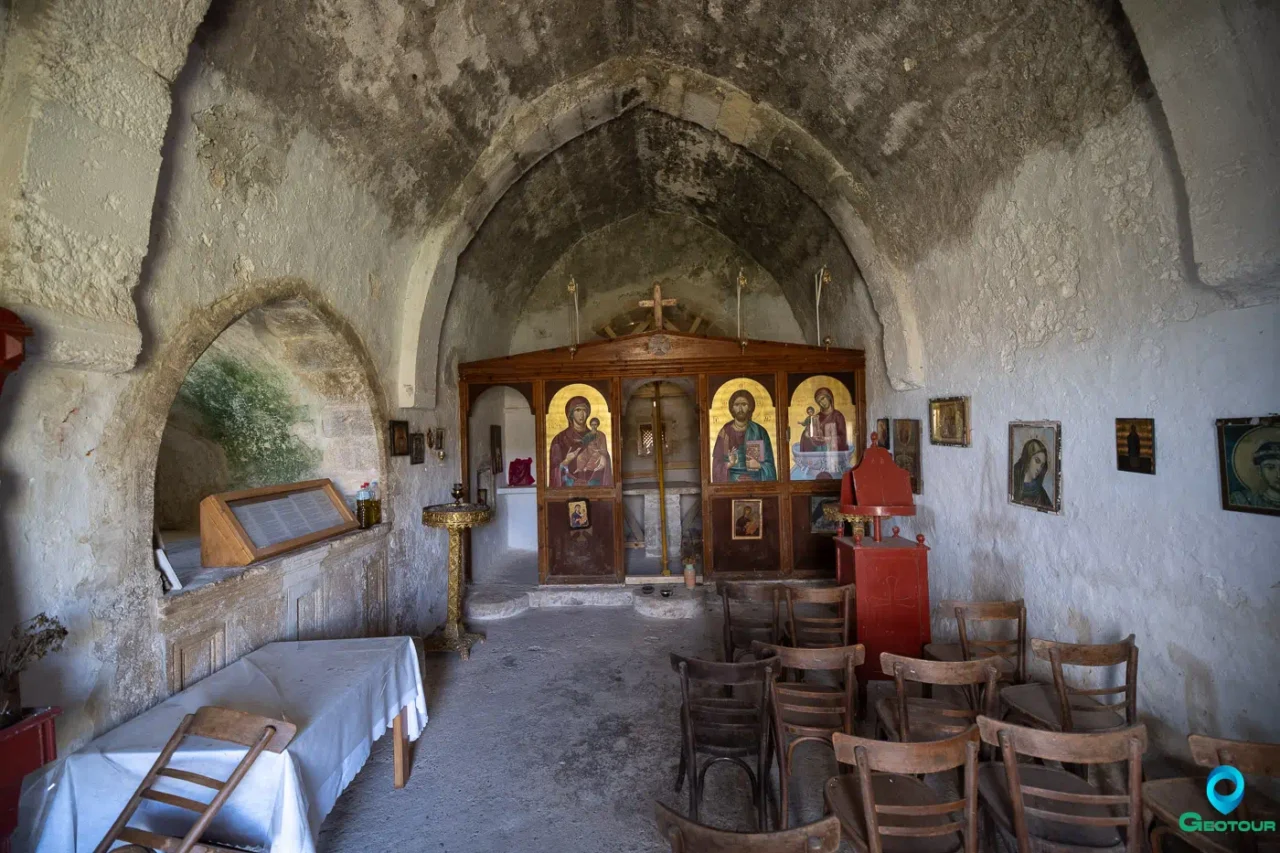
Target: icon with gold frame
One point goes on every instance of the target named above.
(949, 421)
(579, 510)
(748, 518)
(743, 425)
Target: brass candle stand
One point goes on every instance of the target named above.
(455, 517)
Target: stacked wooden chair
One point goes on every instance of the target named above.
(257, 733)
(810, 711)
(743, 623)
(1009, 654)
(687, 836)
(808, 627)
(1166, 800)
(725, 728)
(1046, 808)
(886, 806)
(1060, 707)
(910, 718)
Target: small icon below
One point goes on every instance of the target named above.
(1225, 803)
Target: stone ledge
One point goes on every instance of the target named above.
(217, 581)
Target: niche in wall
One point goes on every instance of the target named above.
(278, 397)
(506, 549)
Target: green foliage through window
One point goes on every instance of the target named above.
(249, 412)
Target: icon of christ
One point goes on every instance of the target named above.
(743, 451)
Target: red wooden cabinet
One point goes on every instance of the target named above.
(892, 575)
(892, 594)
(24, 747)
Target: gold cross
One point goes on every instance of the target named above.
(656, 303)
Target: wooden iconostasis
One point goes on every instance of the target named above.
(778, 424)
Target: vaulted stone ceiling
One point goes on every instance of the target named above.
(646, 160)
(925, 104)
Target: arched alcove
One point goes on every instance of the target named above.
(278, 397)
(501, 424)
(681, 474)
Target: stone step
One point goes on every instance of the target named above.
(594, 595)
(487, 602)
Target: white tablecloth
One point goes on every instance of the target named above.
(341, 694)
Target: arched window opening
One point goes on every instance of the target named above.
(278, 397)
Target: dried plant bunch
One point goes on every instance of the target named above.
(29, 642)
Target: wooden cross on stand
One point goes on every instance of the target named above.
(656, 303)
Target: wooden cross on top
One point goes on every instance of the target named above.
(656, 303)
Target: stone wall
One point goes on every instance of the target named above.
(251, 210)
(1071, 303)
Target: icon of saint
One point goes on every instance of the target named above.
(743, 451)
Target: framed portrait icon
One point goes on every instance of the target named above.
(1249, 464)
(1035, 465)
(398, 438)
(748, 519)
(579, 513)
(949, 421)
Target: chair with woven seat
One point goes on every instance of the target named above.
(1059, 707)
(1044, 808)
(1009, 654)
(725, 727)
(912, 718)
(1168, 799)
(810, 711)
(257, 733)
(739, 629)
(885, 808)
(687, 836)
(809, 629)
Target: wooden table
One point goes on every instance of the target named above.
(341, 694)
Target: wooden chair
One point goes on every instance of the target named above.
(809, 711)
(739, 631)
(1060, 707)
(1168, 799)
(1052, 809)
(911, 718)
(1009, 654)
(724, 727)
(809, 630)
(885, 808)
(687, 836)
(223, 724)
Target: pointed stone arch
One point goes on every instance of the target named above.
(611, 89)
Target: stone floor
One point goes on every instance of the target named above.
(557, 735)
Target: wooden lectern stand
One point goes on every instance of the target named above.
(892, 575)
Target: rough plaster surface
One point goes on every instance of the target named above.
(1215, 67)
(1071, 305)
(617, 266)
(1025, 230)
(81, 449)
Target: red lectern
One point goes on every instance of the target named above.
(892, 575)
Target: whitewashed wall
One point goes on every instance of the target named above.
(1072, 304)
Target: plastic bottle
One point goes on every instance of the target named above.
(375, 503)
(362, 505)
